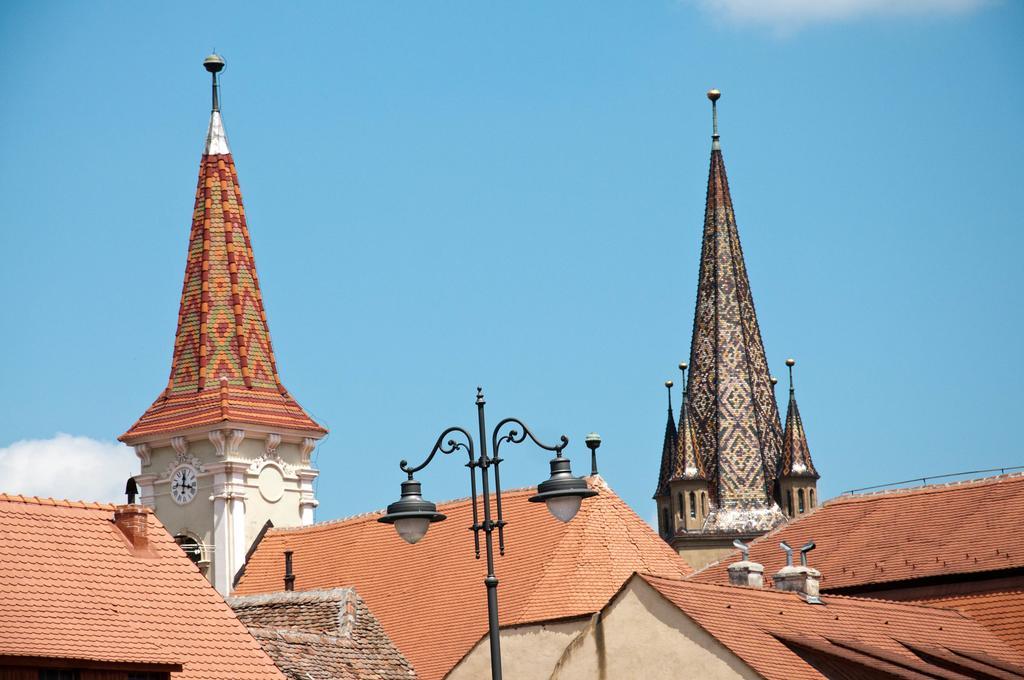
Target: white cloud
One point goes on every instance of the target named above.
(790, 15)
(65, 466)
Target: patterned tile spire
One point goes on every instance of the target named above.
(796, 455)
(223, 367)
(687, 463)
(668, 447)
(730, 395)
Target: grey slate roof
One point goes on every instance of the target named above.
(322, 635)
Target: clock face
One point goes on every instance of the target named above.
(183, 485)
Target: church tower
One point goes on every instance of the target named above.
(224, 448)
(729, 403)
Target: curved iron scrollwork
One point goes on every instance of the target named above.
(445, 447)
(519, 435)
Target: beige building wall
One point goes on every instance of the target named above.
(700, 556)
(527, 652)
(638, 635)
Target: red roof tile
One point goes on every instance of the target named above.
(862, 540)
(750, 622)
(550, 570)
(72, 586)
(1001, 612)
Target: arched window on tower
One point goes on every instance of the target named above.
(190, 546)
(789, 502)
(704, 503)
(800, 499)
(693, 505)
(811, 493)
(666, 529)
(682, 508)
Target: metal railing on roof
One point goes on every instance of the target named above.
(924, 480)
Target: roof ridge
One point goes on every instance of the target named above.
(341, 594)
(56, 502)
(929, 488)
(826, 597)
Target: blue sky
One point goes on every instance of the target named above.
(442, 195)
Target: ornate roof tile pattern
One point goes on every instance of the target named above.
(668, 452)
(223, 365)
(901, 536)
(551, 570)
(796, 455)
(322, 633)
(731, 399)
(687, 462)
(72, 586)
(761, 626)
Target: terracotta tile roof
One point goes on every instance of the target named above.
(223, 366)
(72, 586)
(550, 570)
(322, 634)
(865, 540)
(769, 629)
(1001, 612)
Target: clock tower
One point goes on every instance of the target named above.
(225, 448)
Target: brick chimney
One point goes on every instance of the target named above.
(132, 521)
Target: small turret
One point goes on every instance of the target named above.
(798, 479)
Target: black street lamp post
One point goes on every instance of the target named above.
(561, 492)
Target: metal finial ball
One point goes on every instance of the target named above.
(775, 381)
(791, 362)
(593, 441)
(214, 63)
(714, 95)
(683, 366)
(669, 383)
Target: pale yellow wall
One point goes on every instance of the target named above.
(527, 652)
(699, 557)
(639, 635)
(642, 635)
(794, 485)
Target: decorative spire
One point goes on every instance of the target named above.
(216, 138)
(731, 401)
(714, 96)
(687, 462)
(796, 455)
(223, 367)
(668, 446)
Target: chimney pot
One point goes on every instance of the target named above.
(132, 520)
(746, 573)
(289, 575)
(800, 579)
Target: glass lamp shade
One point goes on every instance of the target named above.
(412, 529)
(562, 492)
(410, 514)
(564, 508)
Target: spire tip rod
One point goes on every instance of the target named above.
(714, 96)
(214, 64)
